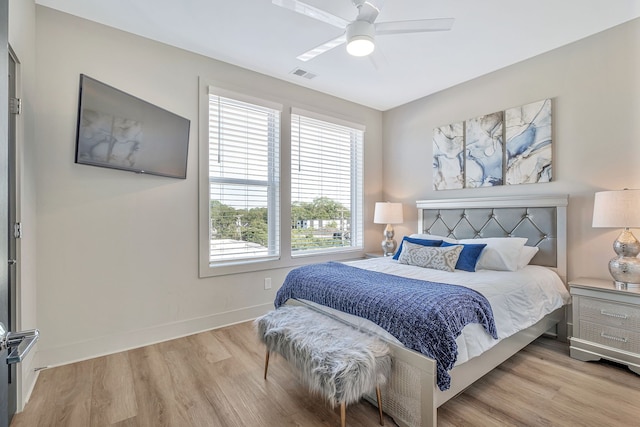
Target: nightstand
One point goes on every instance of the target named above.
(606, 322)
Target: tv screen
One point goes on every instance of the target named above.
(117, 130)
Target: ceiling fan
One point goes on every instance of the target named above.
(360, 33)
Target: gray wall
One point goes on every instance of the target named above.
(595, 87)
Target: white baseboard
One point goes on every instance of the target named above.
(109, 344)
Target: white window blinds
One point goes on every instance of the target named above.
(244, 140)
(326, 185)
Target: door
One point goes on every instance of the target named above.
(5, 418)
(11, 234)
(13, 346)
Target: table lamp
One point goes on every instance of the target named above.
(621, 209)
(388, 213)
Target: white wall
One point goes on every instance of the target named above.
(22, 34)
(118, 252)
(595, 87)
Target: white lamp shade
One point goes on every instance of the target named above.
(388, 213)
(617, 209)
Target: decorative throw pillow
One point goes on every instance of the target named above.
(469, 255)
(501, 253)
(422, 242)
(438, 258)
(527, 254)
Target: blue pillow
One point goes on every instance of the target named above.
(469, 255)
(423, 242)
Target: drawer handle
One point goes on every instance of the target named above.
(611, 337)
(616, 315)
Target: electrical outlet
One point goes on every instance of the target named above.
(267, 283)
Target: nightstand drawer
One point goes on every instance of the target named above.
(612, 337)
(612, 314)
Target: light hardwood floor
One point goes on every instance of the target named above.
(215, 379)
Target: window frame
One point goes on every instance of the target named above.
(271, 184)
(357, 183)
(285, 260)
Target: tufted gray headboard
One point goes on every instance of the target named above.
(541, 219)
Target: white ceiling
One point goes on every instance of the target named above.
(487, 35)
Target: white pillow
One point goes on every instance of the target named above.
(501, 253)
(435, 257)
(527, 254)
(433, 237)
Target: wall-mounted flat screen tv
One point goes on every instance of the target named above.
(117, 130)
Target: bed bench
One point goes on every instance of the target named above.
(333, 359)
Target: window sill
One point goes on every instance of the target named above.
(272, 264)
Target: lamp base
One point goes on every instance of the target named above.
(623, 285)
(388, 244)
(625, 268)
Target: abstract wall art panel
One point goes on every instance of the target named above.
(507, 147)
(448, 157)
(528, 143)
(483, 151)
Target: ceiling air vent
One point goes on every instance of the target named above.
(303, 73)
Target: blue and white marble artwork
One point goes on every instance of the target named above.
(529, 143)
(448, 149)
(483, 162)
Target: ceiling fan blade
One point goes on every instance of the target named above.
(312, 12)
(324, 47)
(378, 60)
(417, 26)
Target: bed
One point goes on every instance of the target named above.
(412, 396)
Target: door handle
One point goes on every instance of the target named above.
(18, 344)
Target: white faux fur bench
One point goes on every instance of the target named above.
(334, 359)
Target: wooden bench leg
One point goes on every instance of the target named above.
(343, 409)
(379, 404)
(266, 364)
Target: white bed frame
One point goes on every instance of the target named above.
(412, 396)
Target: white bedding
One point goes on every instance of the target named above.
(518, 299)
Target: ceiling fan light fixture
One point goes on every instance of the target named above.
(360, 46)
(360, 34)
(360, 38)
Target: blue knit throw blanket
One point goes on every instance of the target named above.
(424, 316)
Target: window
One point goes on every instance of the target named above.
(243, 164)
(250, 176)
(326, 184)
